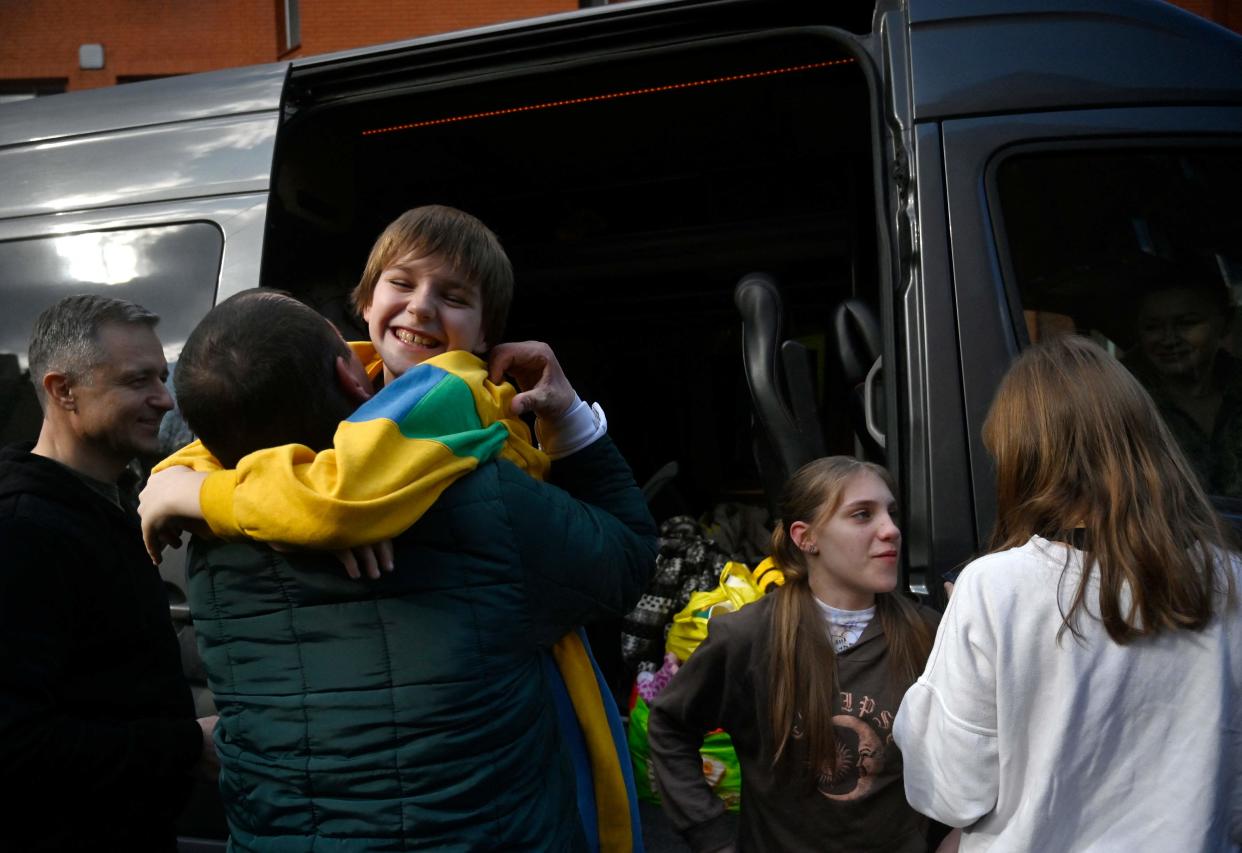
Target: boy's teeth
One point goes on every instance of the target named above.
(411, 338)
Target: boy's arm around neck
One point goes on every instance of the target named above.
(389, 462)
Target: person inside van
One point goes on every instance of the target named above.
(435, 291)
(1085, 688)
(806, 682)
(1180, 326)
(412, 712)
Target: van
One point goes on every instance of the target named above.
(755, 230)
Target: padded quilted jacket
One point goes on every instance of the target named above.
(413, 712)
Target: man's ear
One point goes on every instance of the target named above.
(59, 391)
(351, 385)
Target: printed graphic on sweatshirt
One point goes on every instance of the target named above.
(863, 732)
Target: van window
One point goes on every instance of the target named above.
(169, 269)
(1141, 248)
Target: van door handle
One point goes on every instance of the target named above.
(868, 406)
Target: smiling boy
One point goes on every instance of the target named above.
(435, 293)
(436, 281)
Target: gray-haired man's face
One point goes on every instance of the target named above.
(123, 399)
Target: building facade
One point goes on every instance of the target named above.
(62, 45)
(53, 46)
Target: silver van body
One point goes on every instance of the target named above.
(638, 160)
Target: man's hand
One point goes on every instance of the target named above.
(532, 363)
(167, 505)
(208, 762)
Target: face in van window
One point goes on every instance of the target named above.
(421, 308)
(1179, 332)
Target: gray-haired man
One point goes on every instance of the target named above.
(97, 731)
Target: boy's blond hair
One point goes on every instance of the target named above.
(468, 246)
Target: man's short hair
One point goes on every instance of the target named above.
(469, 247)
(65, 338)
(260, 371)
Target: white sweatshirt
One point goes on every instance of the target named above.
(1081, 745)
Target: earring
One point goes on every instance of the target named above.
(812, 549)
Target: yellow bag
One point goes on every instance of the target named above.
(767, 575)
(737, 588)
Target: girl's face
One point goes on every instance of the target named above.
(852, 553)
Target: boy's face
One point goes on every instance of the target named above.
(421, 308)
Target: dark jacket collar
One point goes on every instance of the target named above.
(25, 473)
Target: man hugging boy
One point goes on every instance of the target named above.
(434, 295)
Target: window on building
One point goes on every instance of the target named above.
(288, 25)
(138, 78)
(1140, 248)
(21, 90)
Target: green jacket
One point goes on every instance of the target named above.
(413, 712)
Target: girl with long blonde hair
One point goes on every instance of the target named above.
(1083, 691)
(806, 682)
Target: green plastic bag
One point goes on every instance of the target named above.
(719, 761)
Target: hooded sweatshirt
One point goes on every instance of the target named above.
(724, 684)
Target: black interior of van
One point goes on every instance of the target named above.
(632, 195)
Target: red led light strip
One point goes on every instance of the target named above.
(611, 96)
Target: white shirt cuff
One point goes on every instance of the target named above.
(579, 427)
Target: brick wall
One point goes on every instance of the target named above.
(156, 37)
(329, 25)
(140, 37)
(39, 39)
(1227, 13)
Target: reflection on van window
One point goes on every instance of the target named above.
(1142, 250)
(103, 258)
(170, 269)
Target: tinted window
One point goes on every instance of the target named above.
(1142, 249)
(171, 270)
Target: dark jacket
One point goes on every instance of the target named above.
(413, 712)
(724, 684)
(97, 730)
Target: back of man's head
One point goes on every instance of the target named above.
(260, 371)
(65, 337)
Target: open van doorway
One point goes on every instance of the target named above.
(632, 192)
